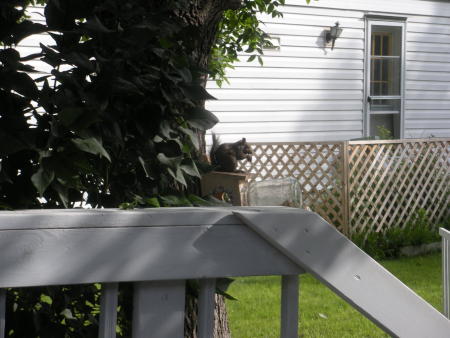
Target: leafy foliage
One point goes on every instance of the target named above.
(387, 244)
(119, 118)
(116, 123)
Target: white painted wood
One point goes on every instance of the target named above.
(445, 234)
(422, 46)
(293, 116)
(206, 305)
(54, 247)
(266, 95)
(426, 115)
(108, 310)
(288, 127)
(289, 306)
(424, 133)
(281, 73)
(2, 312)
(429, 28)
(311, 10)
(333, 259)
(428, 86)
(316, 52)
(428, 37)
(427, 104)
(312, 20)
(400, 7)
(296, 30)
(431, 124)
(158, 309)
(301, 63)
(308, 84)
(292, 137)
(286, 105)
(428, 66)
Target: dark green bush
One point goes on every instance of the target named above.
(381, 245)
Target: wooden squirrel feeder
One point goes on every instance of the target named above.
(226, 186)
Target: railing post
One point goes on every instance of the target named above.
(345, 148)
(108, 310)
(289, 306)
(206, 305)
(2, 312)
(158, 309)
(446, 270)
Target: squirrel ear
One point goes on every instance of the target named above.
(243, 140)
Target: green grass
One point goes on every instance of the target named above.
(323, 314)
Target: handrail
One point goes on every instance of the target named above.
(445, 234)
(158, 249)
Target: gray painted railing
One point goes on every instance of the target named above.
(159, 249)
(156, 249)
(445, 234)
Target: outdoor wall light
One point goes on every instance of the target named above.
(333, 34)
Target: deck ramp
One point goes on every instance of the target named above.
(321, 250)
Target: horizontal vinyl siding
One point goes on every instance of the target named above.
(427, 105)
(304, 91)
(319, 91)
(31, 44)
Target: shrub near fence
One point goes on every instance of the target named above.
(363, 185)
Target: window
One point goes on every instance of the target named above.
(385, 78)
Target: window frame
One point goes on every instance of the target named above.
(371, 21)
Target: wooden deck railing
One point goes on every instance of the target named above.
(362, 185)
(159, 249)
(445, 234)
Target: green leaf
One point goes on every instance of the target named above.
(201, 118)
(192, 136)
(199, 202)
(152, 202)
(46, 299)
(95, 25)
(91, 145)
(175, 201)
(189, 167)
(197, 93)
(63, 192)
(177, 175)
(42, 179)
(145, 167)
(251, 58)
(172, 162)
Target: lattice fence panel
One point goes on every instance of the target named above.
(317, 166)
(390, 181)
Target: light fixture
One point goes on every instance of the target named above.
(333, 34)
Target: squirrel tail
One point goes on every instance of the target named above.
(214, 146)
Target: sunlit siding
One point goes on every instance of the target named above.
(304, 91)
(30, 45)
(428, 75)
(307, 92)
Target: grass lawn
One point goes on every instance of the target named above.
(322, 313)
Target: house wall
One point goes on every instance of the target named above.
(307, 92)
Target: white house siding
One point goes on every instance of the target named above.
(307, 92)
(30, 45)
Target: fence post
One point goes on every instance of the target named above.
(345, 147)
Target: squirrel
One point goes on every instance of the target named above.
(226, 155)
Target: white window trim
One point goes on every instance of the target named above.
(383, 21)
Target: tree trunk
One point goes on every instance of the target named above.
(221, 329)
(202, 20)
